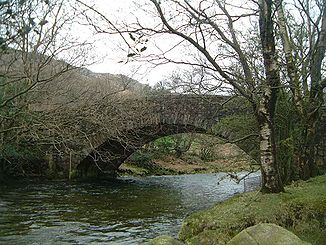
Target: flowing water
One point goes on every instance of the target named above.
(127, 210)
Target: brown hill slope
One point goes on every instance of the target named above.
(52, 82)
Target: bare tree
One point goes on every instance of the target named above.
(35, 50)
(213, 35)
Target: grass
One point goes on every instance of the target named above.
(301, 209)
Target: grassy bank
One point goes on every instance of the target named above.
(301, 209)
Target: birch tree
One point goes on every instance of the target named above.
(266, 109)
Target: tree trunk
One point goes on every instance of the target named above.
(307, 153)
(271, 181)
(292, 70)
(308, 166)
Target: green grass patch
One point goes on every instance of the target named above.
(301, 209)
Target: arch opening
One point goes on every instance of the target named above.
(187, 153)
(105, 159)
(111, 154)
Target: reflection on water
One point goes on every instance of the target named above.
(124, 211)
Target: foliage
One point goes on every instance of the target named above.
(161, 147)
(182, 143)
(164, 145)
(290, 131)
(15, 119)
(205, 154)
(235, 127)
(289, 138)
(141, 157)
(172, 144)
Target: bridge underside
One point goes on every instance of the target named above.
(107, 158)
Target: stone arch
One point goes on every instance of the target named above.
(146, 120)
(110, 154)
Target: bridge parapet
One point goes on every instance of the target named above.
(168, 109)
(189, 109)
(136, 113)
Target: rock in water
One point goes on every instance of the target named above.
(266, 234)
(164, 240)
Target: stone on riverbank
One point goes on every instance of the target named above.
(265, 234)
(164, 240)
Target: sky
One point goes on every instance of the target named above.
(110, 58)
(111, 53)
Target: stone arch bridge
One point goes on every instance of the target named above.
(144, 120)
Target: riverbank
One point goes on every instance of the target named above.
(301, 210)
(223, 158)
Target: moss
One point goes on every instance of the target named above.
(164, 240)
(129, 169)
(301, 209)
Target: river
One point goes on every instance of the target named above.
(127, 210)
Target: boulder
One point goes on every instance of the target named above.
(164, 240)
(266, 234)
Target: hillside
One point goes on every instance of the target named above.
(55, 82)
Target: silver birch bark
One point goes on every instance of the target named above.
(271, 181)
(295, 85)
